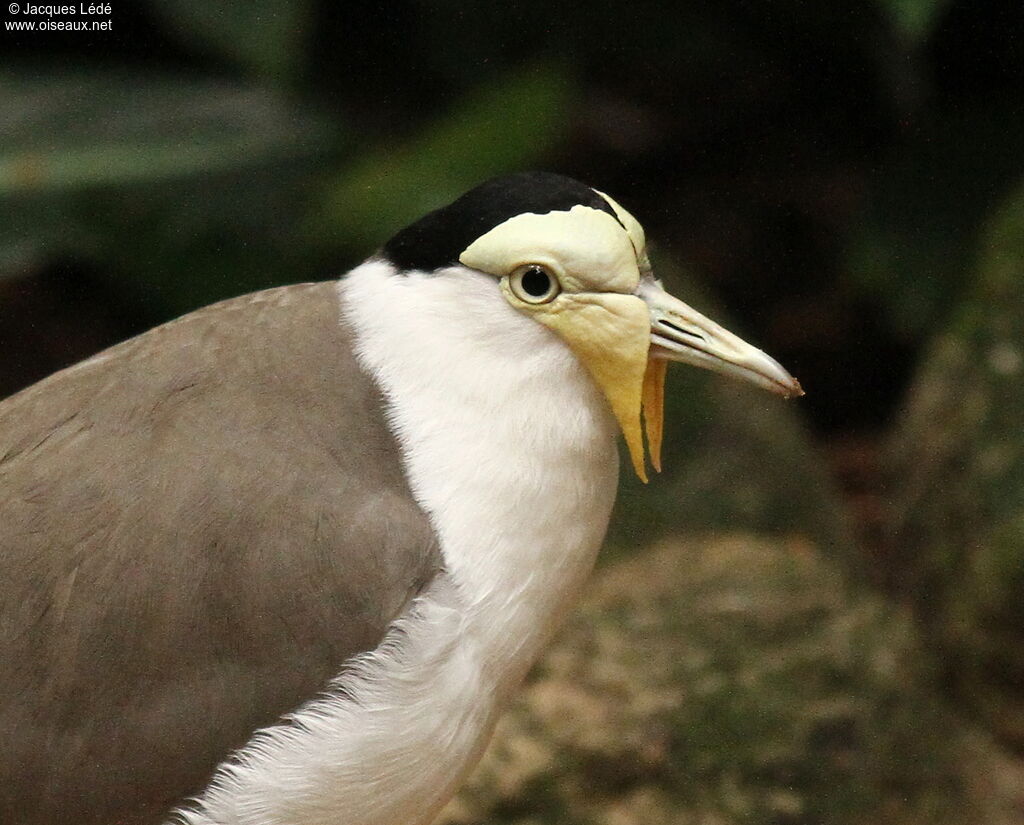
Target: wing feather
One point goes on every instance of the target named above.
(197, 528)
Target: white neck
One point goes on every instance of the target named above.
(510, 450)
(509, 447)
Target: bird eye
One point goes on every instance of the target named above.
(533, 284)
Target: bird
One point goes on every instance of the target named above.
(285, 559)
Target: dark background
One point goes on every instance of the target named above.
(834, 176)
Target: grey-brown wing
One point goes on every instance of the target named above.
(197, 529)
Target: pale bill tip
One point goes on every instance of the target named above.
(773, 376)
(791, 389)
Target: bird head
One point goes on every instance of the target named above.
(574, 260)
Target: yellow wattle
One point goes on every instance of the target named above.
(610, 333)
(654, 408)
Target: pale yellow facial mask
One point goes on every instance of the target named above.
(623, 330)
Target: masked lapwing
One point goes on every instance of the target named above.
(284, 560)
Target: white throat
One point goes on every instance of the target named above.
(509, 447)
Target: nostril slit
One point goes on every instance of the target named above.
(680, 330)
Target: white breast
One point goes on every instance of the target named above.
(510, 450)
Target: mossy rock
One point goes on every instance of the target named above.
(730, 680)
(956, 466)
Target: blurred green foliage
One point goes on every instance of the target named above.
(267, 38)
(507, 125)
(73, 131)
(915, 18)
(163, 184)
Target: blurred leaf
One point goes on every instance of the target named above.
(182, 244)
(178, 192)
(915, 19)
(262, 36)
(171, 246)
(62, 132)
(507, 125)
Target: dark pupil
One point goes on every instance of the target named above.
(536, 282)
